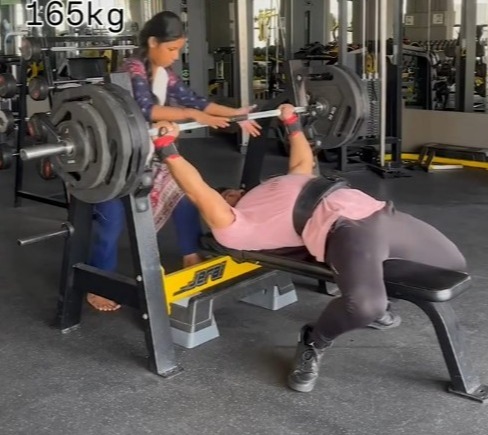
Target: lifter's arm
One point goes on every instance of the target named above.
(216, 212)
(301, 157)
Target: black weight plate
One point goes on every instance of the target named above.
(6, 156)
(8, 85)
(362, 88)
(345, 105)
(139, 134)
(362, 94)
(83, 154)
(117, 135)
(7, 121)
(88, 165)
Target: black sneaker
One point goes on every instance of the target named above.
(388, 321)
(307, 363)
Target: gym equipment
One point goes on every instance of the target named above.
(99, 141)
(7, 121)
(39, 86)
(8, 85)
(314, 110)
(430, 288)
(46, 170)
(32, 49)
(6, 156)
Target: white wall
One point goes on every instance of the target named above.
(451, 128)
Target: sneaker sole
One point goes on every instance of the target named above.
(301, 388)
(383, 327)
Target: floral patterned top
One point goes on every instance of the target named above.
(177, 93)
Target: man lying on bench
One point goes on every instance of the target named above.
(345, 228)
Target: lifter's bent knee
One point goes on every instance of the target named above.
(366, 309)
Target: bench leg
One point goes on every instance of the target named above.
(464, 381)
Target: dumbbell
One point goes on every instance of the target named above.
(6, 156)
(39, 87)
(8, 85)
(7, 121)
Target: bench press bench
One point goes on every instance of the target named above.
(430, 288)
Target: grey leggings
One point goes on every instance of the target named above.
(356, 251)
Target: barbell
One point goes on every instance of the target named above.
(31, 48)
(99, 143)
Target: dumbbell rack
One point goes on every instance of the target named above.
(19, 192)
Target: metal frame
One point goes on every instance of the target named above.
(144, 292)
(394, 104)
(465, 65)
(452, 340)
(244, 55)
(300, 13)
(196, 59)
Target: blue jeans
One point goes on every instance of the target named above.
(109, 224)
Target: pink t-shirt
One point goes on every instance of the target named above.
(264, 216)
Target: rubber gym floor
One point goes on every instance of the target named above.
(94, 381)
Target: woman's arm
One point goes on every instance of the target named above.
(182, 95)
(141, 88)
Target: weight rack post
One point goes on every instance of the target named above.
(76, 250)
(150, 286)
(21, 132)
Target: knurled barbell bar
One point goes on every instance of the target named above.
(312, 110)
(39, 86)
(31, 48)
(102, 143)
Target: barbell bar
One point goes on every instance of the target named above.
(46, 150)
(313, 110)
(7, 154)
(31, 48)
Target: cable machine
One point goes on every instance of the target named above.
(381, 73)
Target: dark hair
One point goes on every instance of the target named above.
(165, 27)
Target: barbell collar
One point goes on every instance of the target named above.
(46, 150)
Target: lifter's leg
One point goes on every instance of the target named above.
(415, 240)
(356, 252)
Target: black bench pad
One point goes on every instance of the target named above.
(403, 279)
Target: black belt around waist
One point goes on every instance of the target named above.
(309, 198)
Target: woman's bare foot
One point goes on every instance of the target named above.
(191, 260)
(101, 304)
